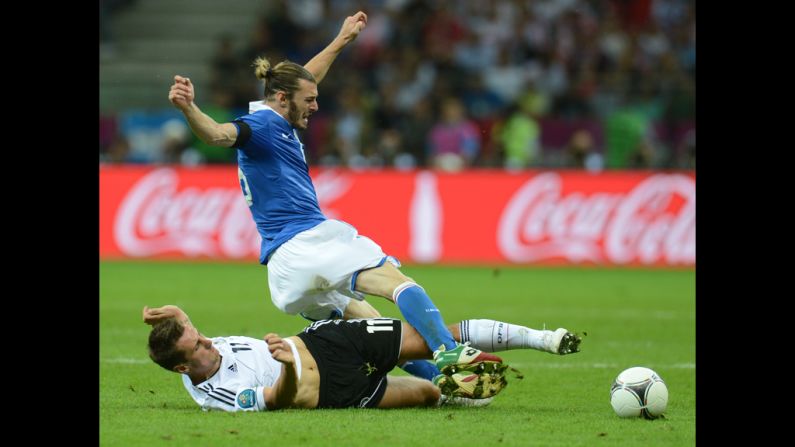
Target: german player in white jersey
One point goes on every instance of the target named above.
(331, 364)
(317, 267)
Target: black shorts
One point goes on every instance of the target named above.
(353, 358)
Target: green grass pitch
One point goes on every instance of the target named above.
(633, 317)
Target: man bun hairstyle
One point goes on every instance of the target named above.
(262, 68)
(281, 78)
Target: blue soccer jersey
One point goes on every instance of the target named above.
(275, 179)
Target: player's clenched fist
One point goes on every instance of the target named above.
(181, 93)
(279, 349)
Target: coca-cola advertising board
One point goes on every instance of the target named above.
(481, 216)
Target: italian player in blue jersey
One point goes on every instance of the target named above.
(321, 268)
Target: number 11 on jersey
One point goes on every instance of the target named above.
(374, 326)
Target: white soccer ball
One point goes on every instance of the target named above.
(639, 391)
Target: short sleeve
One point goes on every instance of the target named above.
(250, 399)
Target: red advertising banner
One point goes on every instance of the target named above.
(535, 217)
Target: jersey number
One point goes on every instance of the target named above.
(374, 326)
(244, 187)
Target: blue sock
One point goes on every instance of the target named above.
(421, 368)
(420, 312)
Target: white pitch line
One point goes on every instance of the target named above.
(126, 360)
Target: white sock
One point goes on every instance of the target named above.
(495, 336)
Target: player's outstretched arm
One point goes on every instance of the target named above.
(152, 316)
(283, 392)
(181, 96)
(351, 28)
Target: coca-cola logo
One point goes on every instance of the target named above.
(157, 217)
(654, 222)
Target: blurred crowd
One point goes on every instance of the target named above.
(451, 84)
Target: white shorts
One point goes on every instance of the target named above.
(314, 273)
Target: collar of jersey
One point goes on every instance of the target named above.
(261, 106)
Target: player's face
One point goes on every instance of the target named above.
(201, 355)
(303, 104)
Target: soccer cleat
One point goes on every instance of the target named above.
(471, 385)
(455, 401)
(561, 342)
(464, 357)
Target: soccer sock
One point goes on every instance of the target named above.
(421, 368)
(420, 312)
(495, 336)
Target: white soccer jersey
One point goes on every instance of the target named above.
(246, 363)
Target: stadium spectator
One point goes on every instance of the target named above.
(414, 126)
(176, 136)
(580, 153)
(118, 151)
(454, 141)
(348, 123)
(627, 138)
(519, 138)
